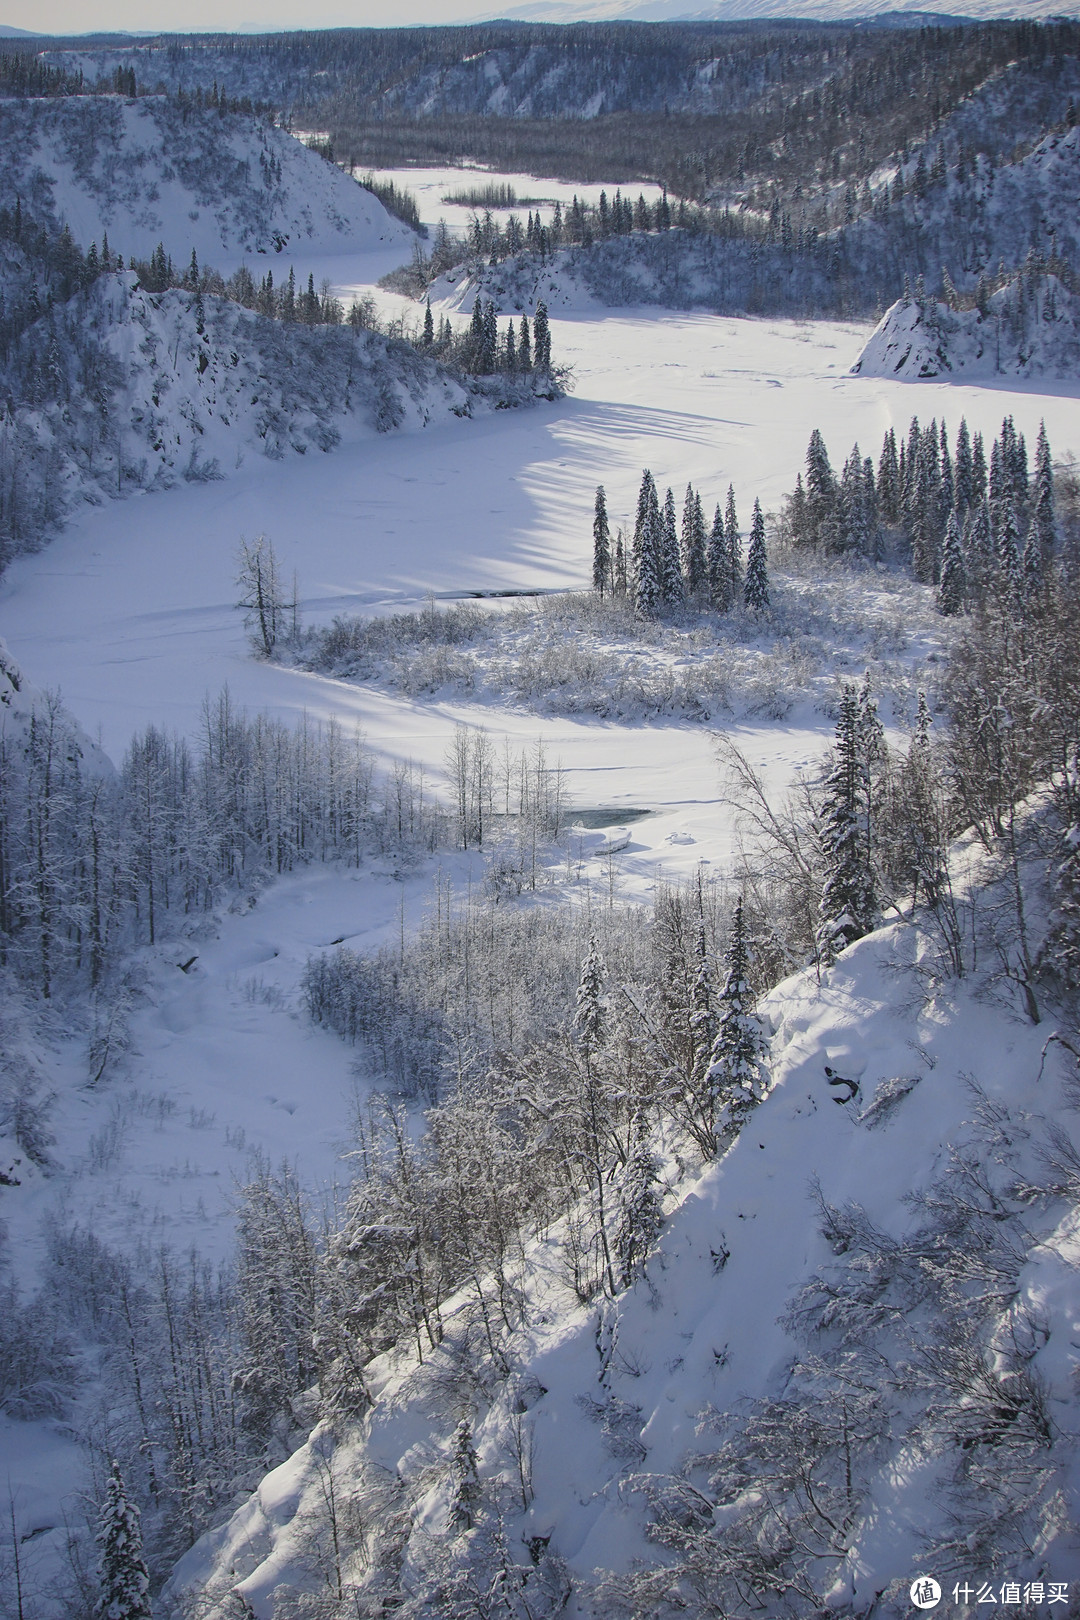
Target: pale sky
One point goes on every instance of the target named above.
(88, 16)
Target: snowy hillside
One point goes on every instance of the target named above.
(970, 219)
(152, 171)
(736, 275)
(1028, 328)
(123, 390)
(834, 1241)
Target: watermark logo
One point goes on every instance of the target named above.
(925, 1592)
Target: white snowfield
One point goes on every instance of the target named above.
(228, 187)
(701, 1331)
(1031, 332)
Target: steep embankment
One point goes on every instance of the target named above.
(866, 1313)
(153, 170)
(1028, 328)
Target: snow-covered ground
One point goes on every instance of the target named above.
(130, 614)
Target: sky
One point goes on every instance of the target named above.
(179, 16)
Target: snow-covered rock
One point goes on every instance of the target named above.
(1028, 328)
(152, 171)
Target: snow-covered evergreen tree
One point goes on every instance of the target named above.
(979, 561)
(671, 575)
(756, 590)
(541, 346)
(1010, 571)
(820, 492)
(694, 560)
(589, 1012)
(124, 1589)
(848, 901)
(1043, 516)
(717, 565)
(732, 548)
(647, 553)
(601, 566)
(952, 590)
(640, 1208)
(466, 1492)
(735, 1077)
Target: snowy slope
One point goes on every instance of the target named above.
(983, 215)
(188, 404)
(618, 1390)
(144, 172)
(1030, 328)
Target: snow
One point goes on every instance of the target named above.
(130, 615)
(142, 173)
(1032, 332)
(684, 1346)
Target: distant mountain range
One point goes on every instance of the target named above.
(877, 11)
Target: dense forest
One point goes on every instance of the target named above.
(705, 108)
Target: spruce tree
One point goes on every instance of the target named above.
(978, 469)
(647, 555)
(640, 1208)
(848, 903)
(601, 566)
(1010, 573)
(618, 582)
(953, 588)
(124, 1590)
(589, 1013)
(489, 353)
(732, 547)
(820, 492)
(756, 591)
(1043, 516)
(964, 480)
(429, 325)
(1031, 566)
(466, 1492)
(735, 1077)
(671, 576)
(979, 562)
(717, 568)
(476, 334)
(888, 481)
(695, 566)
(541, 346)
(524, 345)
